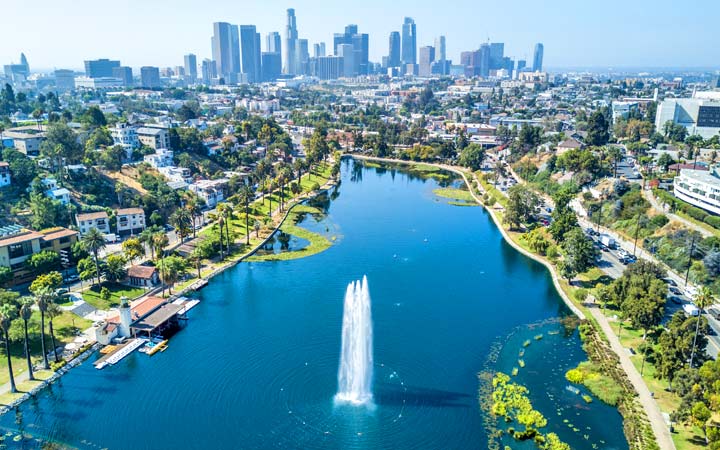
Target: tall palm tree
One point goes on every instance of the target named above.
(256, 227)
(702, 301)
(43, 296)
(181, 220)
(193, 207)
(7, 315)
(196, 259)
(146, 237)
(53, 311)
(93, 241)
(159, 242)
(246, 195)
(25, 314)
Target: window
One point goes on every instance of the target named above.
(21, 249)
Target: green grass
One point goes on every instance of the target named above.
(66, 326)
(318, 242)
(454, 194)
(117, 291)
(25, 386)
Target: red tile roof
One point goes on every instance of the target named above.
(141, 308)
(145, 272)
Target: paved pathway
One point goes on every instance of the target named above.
(649, 196)
(657, 421)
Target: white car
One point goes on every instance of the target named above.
(691, 309)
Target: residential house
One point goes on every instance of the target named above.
(568, 144)
(212, 191)
(174, 174)
(4, 174)
(161, 158)
(16, 246)
(60, 194)
(126, 136)
(143, 276)
(26, 140)
(130, 221)
(155, 138)
(97, 220)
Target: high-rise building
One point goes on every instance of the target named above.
(360, 44)
(440, 50)
(271, 66)
(226, 50)
(302, 56)
(327, 67)
(497, 53)
(124, 73)
(209, 71)
(538, 58)
(100, 68)
(64, 80)
(150, 77)
(427, 57)
(273, 42)
(191, 67)
(394, 50)
(347, 53)
(476, 63)
(409, 42)
(521, 64)
(250, 53)
(291, 44)
(319, 50)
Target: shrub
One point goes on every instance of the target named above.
(575, 376)
(581, 295)
(55, 366)
(552, 252)
(713, 221)
(659, 221)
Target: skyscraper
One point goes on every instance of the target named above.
(124, 73)
(191, 67)
(441, 56)
(497, 53)
(538, 58)
(150, 77)
(271, 65)
(209, 71)
(360, 44)
(427, 57)
(319, 50)
(291, 44)
(100, 68)
(273, 43)
(226, 50)
(409, 42)
(250, 53)
(302, 56)
(347, 52)
(394, 50)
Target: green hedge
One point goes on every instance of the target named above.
(692, 211)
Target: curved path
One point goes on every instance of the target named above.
(650, 197)
(652, 410)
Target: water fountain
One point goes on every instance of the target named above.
(355, 374)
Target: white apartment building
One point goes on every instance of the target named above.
(699, 188)
(126, 136)
(212, 191)
(130, 221)
(176, 174)
(699, 115)
(161, 158)
(97, 220)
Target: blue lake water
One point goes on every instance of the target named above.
(256, 365)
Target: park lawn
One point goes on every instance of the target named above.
(25, 386)
(491, 190)
(65, 326)
(117, 291)
(454, 194)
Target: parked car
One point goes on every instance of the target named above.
(675, 299)
(691, 309)
(715, 313)
(72, 279)
(670, 281)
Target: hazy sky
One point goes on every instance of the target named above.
(611, 33)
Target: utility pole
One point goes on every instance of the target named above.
(637, 230)
(692, 249)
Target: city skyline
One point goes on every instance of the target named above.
(317, 23)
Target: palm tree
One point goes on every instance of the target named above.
(256, 226)
(146, 237)
(53, 311)
(193, 206)
(93, 241)
(158, 243)
(196, 259)
(42, 299)
(7, 314)
(25, 314)
(181, 220)
(702, 301)
(246, 195)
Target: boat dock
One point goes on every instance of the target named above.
(121, 351)
(186, 303)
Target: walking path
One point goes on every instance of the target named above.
(649, 196)
(657, 421)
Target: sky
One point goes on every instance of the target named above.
(609, 34)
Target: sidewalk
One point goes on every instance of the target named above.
(657, 421)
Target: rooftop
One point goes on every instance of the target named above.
(144, 272)
(128, 211)
(158, 317)
(92, 216)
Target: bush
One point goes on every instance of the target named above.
(581, 295)
(713, 221)
(575, 376)
(659, 221)
(552, 252)
(55, 366)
